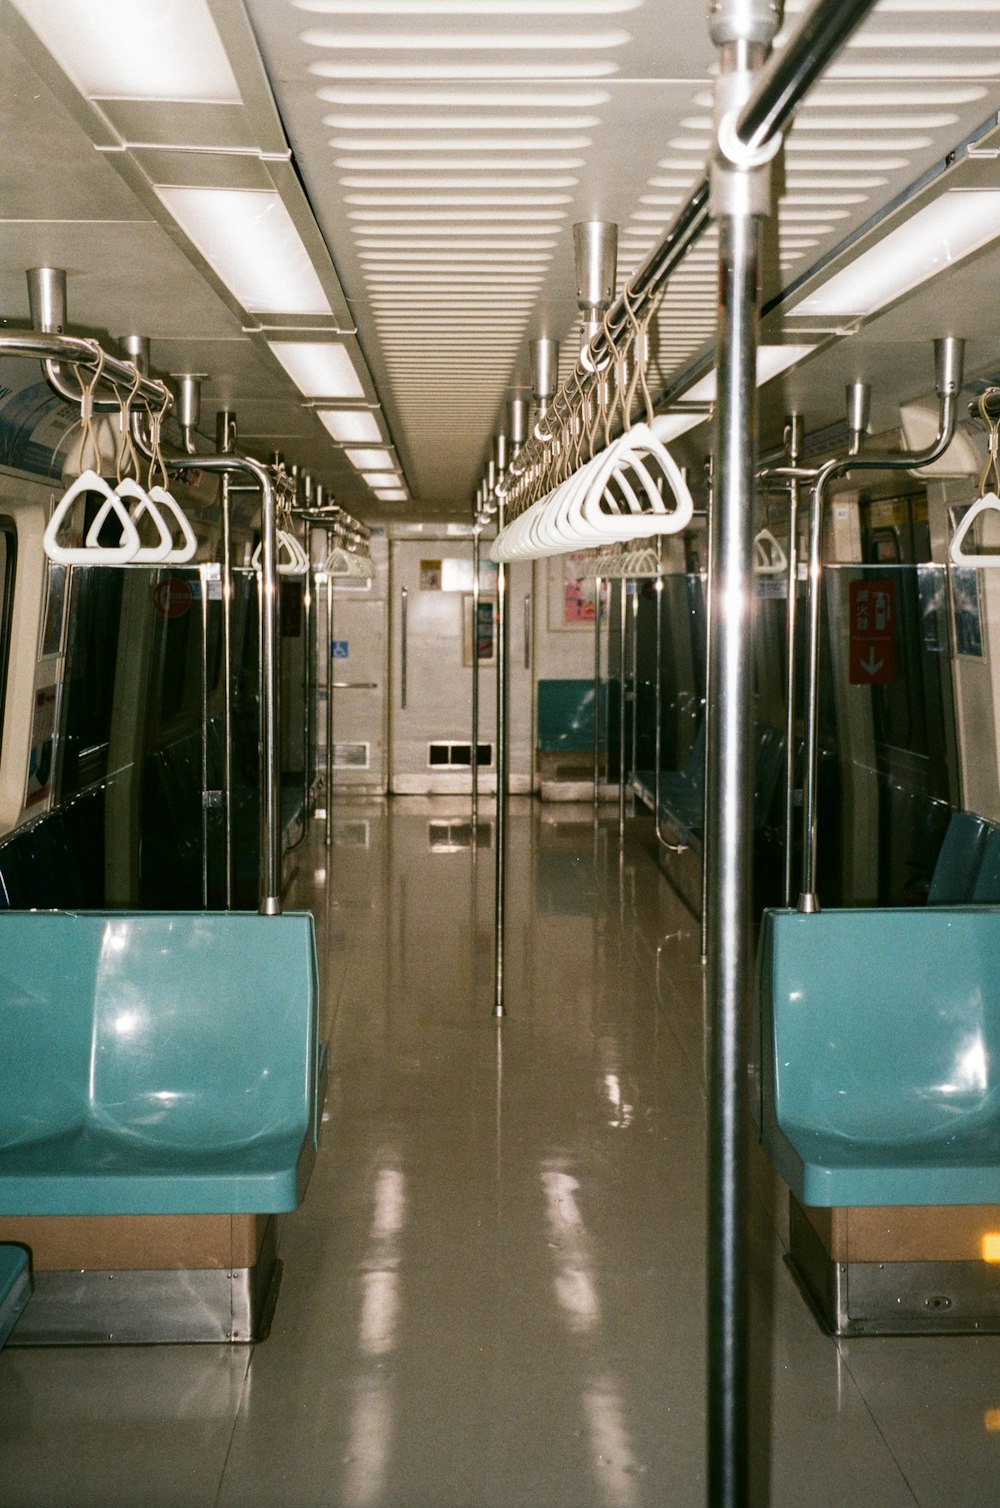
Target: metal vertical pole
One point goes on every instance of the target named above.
(328, 662)
(728, 861)
(499, 1009)
(597, 692)
(635, 682)
(307, 680)
(227, 678)
(203, 584)
(225, 443)
(793, 434)
(503, 737)
(623, 634)
(742, 30)
(475, 679)
(708, 713)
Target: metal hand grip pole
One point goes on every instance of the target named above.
(203, 583)
(623, 635)
(597, 692)
(794, 432)
(708, 713)
(403, 650)
(503, 668)
(474, 755)
(527, 631)
(328, 661)
(227, 677)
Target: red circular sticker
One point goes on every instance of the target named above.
(172, 597)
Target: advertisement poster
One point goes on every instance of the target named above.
(43, 731)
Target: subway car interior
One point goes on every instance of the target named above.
(499, 544)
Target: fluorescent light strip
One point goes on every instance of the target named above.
(444, 199)
(842, 165)
(369, 121)
(442, 143)
(938, 236)
(481, 99)
(136, 49)
(351, 425)
(370, 460)
(477, 8)
(447, 183)
(544, 70)
(806, 120)
(319, 369)
(798, 181)
(771, 362)
(844, 144)
(391, 40)
(391, 495)
(532, 222)
(248, 239)
(533, 162)
(932, 68)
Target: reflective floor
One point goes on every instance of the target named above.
(494, 1294)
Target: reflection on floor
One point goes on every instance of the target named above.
(493, 1296)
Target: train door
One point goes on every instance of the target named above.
(357, 659)
(433, 641)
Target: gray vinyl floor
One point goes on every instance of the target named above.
(493, 1295)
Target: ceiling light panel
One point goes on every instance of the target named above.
(248, 239)
(370, 460)
(351, 426)
(135, 49)
(319, 369)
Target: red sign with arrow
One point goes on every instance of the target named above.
(873, 633)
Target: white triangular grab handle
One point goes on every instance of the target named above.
(988, 504)
(146, 554)
(769, 558)
(187, 551)
(90, 552)
(291, 557)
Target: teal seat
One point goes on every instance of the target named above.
(986, 884)
(15, 1287)
(879, 1055)
(156, 1063)
(958, 861)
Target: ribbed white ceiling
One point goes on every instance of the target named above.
(449, 145)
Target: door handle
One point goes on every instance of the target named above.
(527, 631)
(355, 685)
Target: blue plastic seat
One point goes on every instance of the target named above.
(15, 1287)
(958, 860)
(156, 1063)
(879, 1054)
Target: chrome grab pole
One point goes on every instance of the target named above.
(793, 437)
(742, 30)
(623, 634)
(708, 713)
(948, 358)
(203, 585)
(635, 683)
(503, 744)
(475, 680)
(403, 648)
(227, 677)
(658, 708)
(328, 753)
(308, 620)
(597, 693)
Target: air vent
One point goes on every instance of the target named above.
(351, 834)
(457, 755)
(351, 756)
